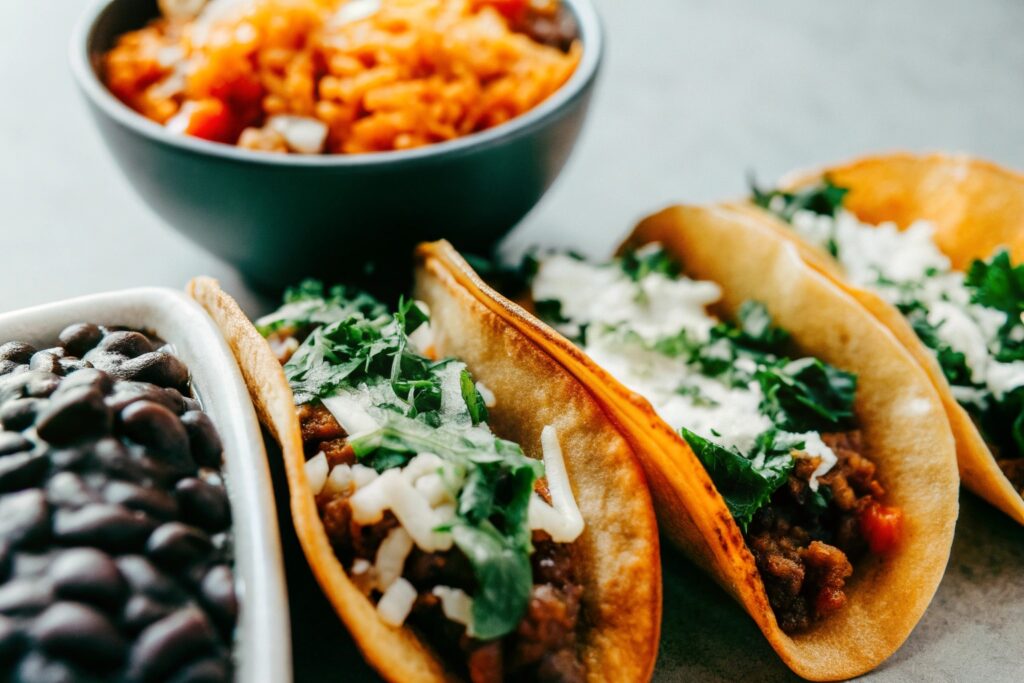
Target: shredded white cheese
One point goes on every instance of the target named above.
(340, 481)
(562, 519)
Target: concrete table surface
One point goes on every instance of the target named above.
(695, 94)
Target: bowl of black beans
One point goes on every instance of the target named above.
(138, 539)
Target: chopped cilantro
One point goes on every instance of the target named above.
(744, 486)
(807, 395)
(355, 346)
(825, 199)
(639, 263)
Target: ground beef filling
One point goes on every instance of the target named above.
(803, 548)
(544, 645)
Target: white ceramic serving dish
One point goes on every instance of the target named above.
(263, 640)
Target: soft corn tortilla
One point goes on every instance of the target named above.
(977, 208)
(617, 555)
(898, 410)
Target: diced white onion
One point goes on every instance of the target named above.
(316, 472)
(422, 464)
(562, 519)
(363, 475)
(302, 134)
(339, 480)
(455, 604)
(391, 557)
(432, 487)
(396, 603)
(391, 491)
(486, 394)
(369, 502)
(350, 414)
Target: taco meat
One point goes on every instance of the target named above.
(544, 644)
(804, 551)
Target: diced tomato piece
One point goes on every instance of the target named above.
(513, 10)
(882, 527)
(209, 119)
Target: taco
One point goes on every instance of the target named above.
(933, 246)
(794, 449)
(451, 551)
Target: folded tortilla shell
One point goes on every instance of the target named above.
(618, 553)
(898, 410)
(977, 208)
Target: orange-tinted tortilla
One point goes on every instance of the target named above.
(617, 556)
(898, 410)
(977, 208)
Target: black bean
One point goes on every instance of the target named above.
(44, 361)
(161, 369)
(141, 610)
(111, 527)
(75, 414)
(127, 391)
(87, 377)
(18, 414)
(66, 489)
(20, 597)
(175, 545)
(115, 460)
(203, 671)
(21, 470)
(124, 343)
(11, 639)
(217, 589)
(203, 504)
(78, 632)
(24, 517)
(40, 383)
(172, 640)
(192, 404)
(36, 667)
(146, 579)
(155, 502)
(27, 564)
(8, 366)
(80, 338)
(70, 458)
(13, 442)
(203, 439)
(70, 365)
(88, 575)
(154, 426)
(19, 352)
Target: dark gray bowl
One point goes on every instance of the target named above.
(279, 218)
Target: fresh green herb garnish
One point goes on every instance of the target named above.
(745, 487)
(807, 395)
(356, 347)
(825, 199)
(307, 305)
(639, 263)
(999, 285)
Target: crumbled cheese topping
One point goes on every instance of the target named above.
(615, 308)
(906, 265)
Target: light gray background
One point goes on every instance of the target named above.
(695, 94)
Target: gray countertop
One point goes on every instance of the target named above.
(695, 94)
